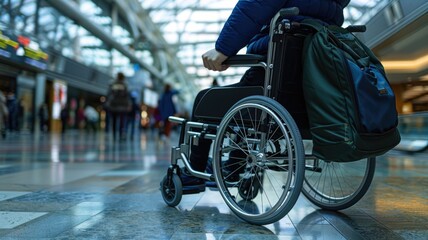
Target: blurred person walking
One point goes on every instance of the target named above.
(64, 115)
(133, 115)
(20, 115)
(157, 120)
(12, 107)
(118, 104)
(91, 117)
(167, 108)
(80, 116)
(4, 112)
(43, 114)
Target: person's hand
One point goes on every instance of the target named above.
(213, 60)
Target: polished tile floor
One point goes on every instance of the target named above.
(84, 186)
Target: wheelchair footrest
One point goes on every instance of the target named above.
(192, 191)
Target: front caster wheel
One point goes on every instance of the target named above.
(249, 188)
(172, 190)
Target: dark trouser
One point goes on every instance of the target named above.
(63, 125)
(91, 125)
(167, 126)
(122, 118)
(199, 154)
(130, 124)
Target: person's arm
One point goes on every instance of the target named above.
(244, 23)
(213, 60)
(174, 91)
(246, 20)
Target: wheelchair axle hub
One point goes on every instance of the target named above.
(255, 159)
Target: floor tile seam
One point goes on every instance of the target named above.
(79, 179)
(420, 169)
(400, 189)
(27, 185)
(381, 224)
(257, 235)
(28, 223)
(11, 198)
(201, 198)
(43, 187)
(29, 171)
(340, 230)
(22, 169)
(47, 191)
(383, 184)
(49, 214)
(75, 225)
(295, 226)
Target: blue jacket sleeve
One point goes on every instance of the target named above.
(249, 16)
(246, 20)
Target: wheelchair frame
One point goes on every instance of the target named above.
(267, 159)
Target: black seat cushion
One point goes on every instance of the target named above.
(217, 101)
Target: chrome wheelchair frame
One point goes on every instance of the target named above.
(275, 167)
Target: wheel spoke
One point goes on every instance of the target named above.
(257, 130)
(338, 185)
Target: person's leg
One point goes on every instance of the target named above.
(132, 125)
(254, 76)
(93, 126)
(114, 124)
(168, 127)
(199, 153)
(198, 158)
(2, 126)
(122, 126)
(107, 121)
(63, 125)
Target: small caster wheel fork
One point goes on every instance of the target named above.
(171, 187)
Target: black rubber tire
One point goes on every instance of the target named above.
(172, 191)
(338, 185)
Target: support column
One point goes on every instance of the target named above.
(114, 20)
(398, 91)
(39, 98)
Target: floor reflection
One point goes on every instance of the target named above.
(88, 186)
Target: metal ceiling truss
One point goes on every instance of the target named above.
(175, 8)
(169, 65)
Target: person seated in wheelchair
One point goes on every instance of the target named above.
(247, 26)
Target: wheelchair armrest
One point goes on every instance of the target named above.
(245, 59)
(289, 12)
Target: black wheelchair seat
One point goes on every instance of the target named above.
(218, 100)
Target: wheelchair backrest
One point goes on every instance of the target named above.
(286, 74)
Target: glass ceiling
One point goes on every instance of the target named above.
(192, 27)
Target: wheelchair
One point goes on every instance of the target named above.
(261, 154)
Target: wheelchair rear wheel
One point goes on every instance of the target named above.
(337, 185)
(262, 182)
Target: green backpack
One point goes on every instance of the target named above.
(350, 103)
